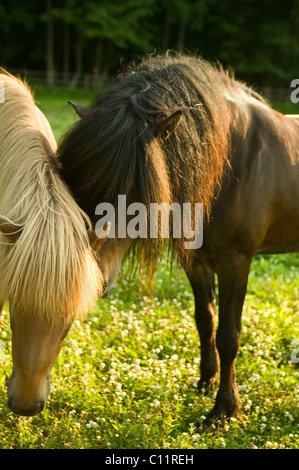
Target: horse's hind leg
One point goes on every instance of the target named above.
(203, 284)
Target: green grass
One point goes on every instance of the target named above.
(126, 377)
(54, 104)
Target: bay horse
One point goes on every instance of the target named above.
(49, 272)
(176, 128)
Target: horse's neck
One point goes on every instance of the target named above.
(251, 115)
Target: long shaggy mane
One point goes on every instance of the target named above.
(50, 271)
(115, 151)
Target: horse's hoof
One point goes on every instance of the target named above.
(212, 423)
(216, 419)
(206, 387)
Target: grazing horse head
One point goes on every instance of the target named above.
(49, 273)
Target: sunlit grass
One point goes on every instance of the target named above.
(126, 377)
(54, 104)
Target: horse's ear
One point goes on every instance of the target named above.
(11, 230)
(166, 126)
(98, 237)
(80, 110)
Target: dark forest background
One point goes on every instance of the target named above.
(258, 39)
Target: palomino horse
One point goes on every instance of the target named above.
(48, 269)
(177, 129)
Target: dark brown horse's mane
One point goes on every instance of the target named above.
(114, 150)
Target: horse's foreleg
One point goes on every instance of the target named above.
(232, 281)
(203, 285)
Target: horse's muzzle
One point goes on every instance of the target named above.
(32, 410)
(21, 404)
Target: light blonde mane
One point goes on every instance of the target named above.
(50, 271)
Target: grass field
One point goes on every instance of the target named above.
(126, 377)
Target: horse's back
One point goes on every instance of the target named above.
(258, 207)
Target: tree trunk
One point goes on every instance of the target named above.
(100, 69)
(50, 44)
(97, 65)
(166, 31)
(66, 53)
(79, 55)
(182, 34)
